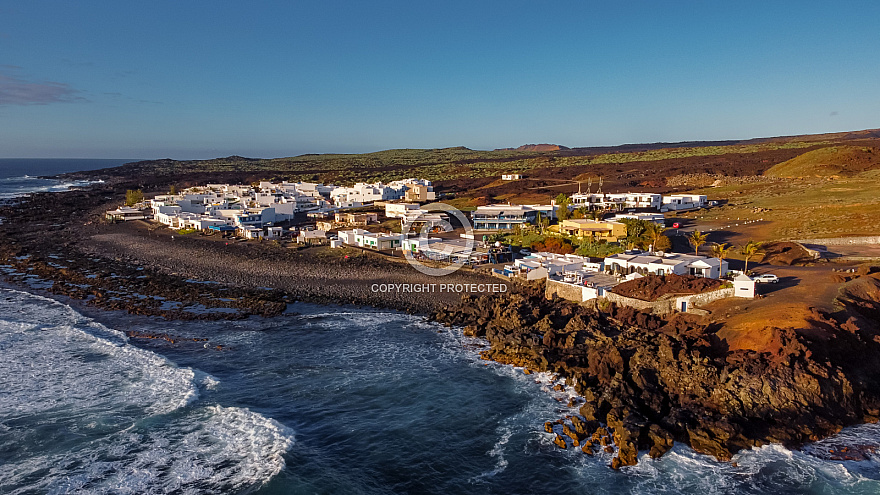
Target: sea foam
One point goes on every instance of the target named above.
(82, 410)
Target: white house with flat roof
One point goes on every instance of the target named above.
(257, 217)
(642, 200)
(674, 202)
(165, 214)
(311, 237)
(365, 193)
(251, 232)
(506, 216)
(421, 220)
(125, 213)
(417, 244)
(585, 284)
(399, 210)
(635, 200)
(592, 200)
(379, 241)
(372, 240)
(204, 223)
(665, 264)
(617, 201)
(349, 236)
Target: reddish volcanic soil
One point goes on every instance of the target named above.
(653, 287)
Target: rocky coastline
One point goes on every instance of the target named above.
(648, 382)
(59, 243)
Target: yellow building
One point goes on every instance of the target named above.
(597, 230)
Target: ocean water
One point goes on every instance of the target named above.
(328, 400)
(20, 176)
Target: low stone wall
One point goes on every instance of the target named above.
(671, 305)
(661, 307)
(563, 290)
(666, 305)
(704, 298)
(842, 241)
(816, 254)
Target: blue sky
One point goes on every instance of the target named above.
(280, 78)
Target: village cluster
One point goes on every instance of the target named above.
(335, 215)
(252, 211)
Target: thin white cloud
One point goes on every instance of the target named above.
(17, 91)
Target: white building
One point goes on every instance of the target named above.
(654, 201)
(417, 244)
(311, 237)
(546, 211)
(125, 213)
(257, 217)
(165, 214)
(552, 264)
(371, 240)
(675, 202)
(592, 200)
(422, 220)
(365, 193)
(251, 232)
(399, 210)
(617, 201)
(743, 286)
(381, 241)
(506, 216)
(590, 284)
(665, 264)
(635, 200)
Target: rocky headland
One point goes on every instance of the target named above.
(648, 381)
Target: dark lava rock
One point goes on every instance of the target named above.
(653, 381)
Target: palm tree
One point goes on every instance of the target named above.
(697, 239)
(653, 232)
(749, 250)
(635, 232)
(721, 250)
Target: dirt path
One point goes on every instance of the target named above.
(793, 302)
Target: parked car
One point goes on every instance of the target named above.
(765, 278)
(525, 252)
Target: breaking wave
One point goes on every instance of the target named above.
(83, 410)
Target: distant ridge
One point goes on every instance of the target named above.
(630, 148)
(536, 147)
(475, 168)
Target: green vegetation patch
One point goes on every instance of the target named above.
(431, 164)
(830, 161)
